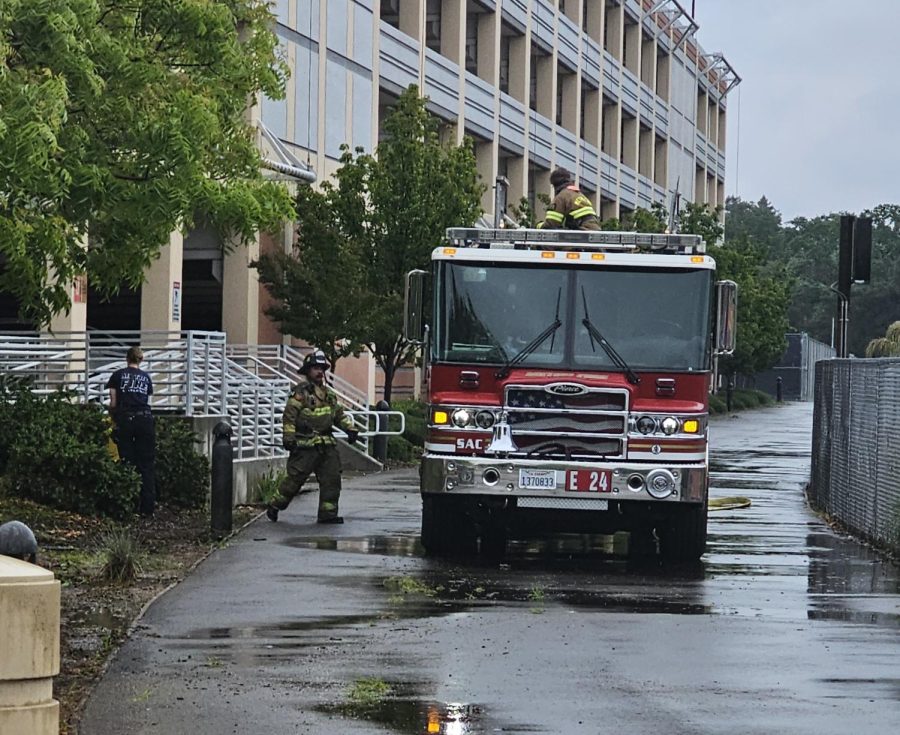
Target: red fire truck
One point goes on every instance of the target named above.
(568, 376)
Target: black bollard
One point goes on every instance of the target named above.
(380, 442)
(221, 497)
(779, 389)
(729, 393)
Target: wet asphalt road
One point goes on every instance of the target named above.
(785, 627)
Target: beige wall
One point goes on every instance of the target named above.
(240, 295)
(163, 287)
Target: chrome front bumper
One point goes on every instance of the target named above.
(476, 476)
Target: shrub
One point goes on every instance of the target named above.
(120, 552)
(408, 447)
(182, 473)
(55, 453)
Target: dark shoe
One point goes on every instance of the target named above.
(272, 513)
(333, 519)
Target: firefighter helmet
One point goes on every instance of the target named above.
(316, 358)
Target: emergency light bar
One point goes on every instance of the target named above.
(523, 239)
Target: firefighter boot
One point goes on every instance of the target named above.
(272, 513)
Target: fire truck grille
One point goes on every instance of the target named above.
(584, 423)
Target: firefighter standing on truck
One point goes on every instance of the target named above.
(310, 416)
(570, 210)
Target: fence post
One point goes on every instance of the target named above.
(779, 389)
(189, 376)
(379, 450)
(221, 494)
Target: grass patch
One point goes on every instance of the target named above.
(742, 399)
(409, 587)
(369, 692)
(267, 485)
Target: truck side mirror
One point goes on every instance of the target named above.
(413, 316)
(726, 317)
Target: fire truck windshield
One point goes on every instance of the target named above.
(655, 318)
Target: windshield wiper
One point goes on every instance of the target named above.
(594, 334)
(534, 344)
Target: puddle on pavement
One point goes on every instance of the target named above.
(104, 617)
(388, 545)
(403, 713)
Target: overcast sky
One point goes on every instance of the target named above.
(814, 124)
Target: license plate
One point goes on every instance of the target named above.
(589, 481)
(537, 479)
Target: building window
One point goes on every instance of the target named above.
(390, 12)
(472, 42)
(433, 25)
(504, 63)
(559, 99)
(533, 83)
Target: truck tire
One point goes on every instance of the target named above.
(683, 537)
(446, 527)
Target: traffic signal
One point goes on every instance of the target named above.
(862, 250)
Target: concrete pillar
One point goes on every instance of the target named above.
(70, 327)
(613, 30)
(240, 300)
(520, 68)
(486, 154)
(453, 39)
(412, 18)
(630, 142)
(489, 48)
(517, 173)
(161, 295)
(29, 642)
(591, 100)
(571, 102)
(546, 85)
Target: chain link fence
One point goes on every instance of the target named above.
(856, 446)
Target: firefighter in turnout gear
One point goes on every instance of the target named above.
(311, 414)
(570, 210)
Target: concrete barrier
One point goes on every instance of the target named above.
(29, 648)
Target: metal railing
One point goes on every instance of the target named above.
(282, 363)
(194, 373)
(186, 367)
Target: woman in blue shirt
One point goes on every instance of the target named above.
(130, 389)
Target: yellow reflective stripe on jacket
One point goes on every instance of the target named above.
(582, 212)
(552, 216)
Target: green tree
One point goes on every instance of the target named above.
(120, 121)
(385, 213)
(759, 223)
(316, 289)
(810, 253)
(762, 297)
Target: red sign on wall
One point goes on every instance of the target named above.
(79, 289)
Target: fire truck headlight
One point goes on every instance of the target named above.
(440, 417)
(669, 425)
(461, 417)
(645, 425)
(484, 419)
(660, 484)
(691, 426)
